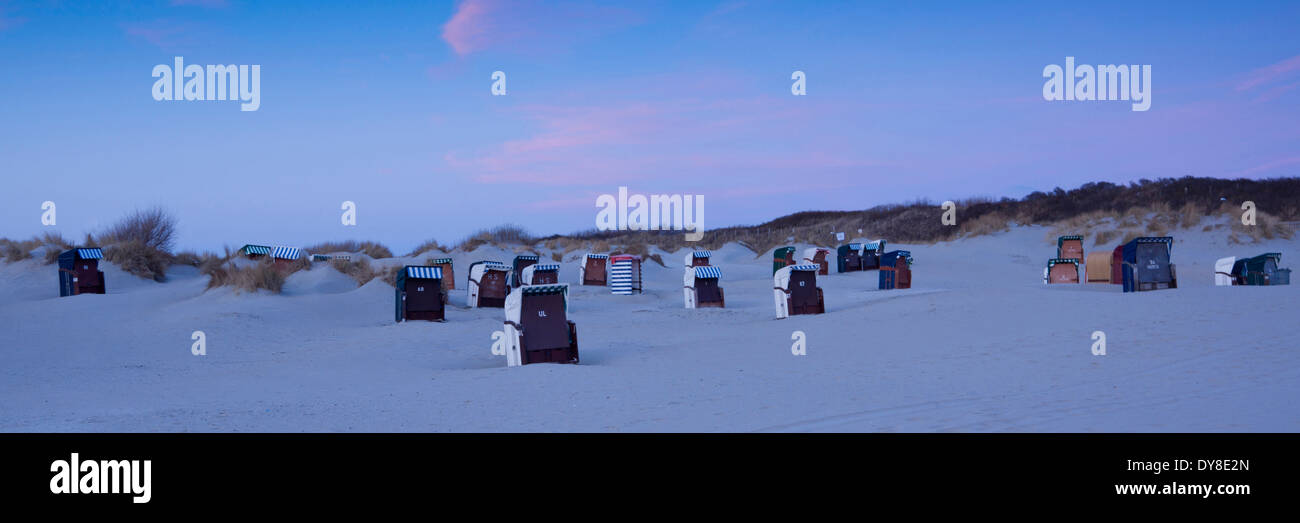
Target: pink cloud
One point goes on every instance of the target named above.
(670, 139)
(1275, 92)
(1269, 166)
(1269, 73)
(529, 26)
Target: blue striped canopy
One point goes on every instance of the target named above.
(620, 277)
(441, 261)
(92, 253)
(286, 253)
(707, 272)
(526, 257)
(598, 256)
(423, 273)
(256, 249)
(542, 267)
(494, 266)
(701, 254)
(802, 267)
(554, 288)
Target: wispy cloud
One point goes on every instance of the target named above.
(529, 26)
(1269, 167)
(675, 139)
(1270, 73)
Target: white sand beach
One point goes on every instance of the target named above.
(978, 344)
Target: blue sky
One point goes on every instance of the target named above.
(389, 106)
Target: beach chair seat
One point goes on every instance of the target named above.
(537, 327)
(795, 291)
(701, 287)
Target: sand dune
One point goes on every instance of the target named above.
(978, 344)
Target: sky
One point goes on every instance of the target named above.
(389, 105)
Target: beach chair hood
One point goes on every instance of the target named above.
(1223, 273)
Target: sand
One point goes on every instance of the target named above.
(978, 344)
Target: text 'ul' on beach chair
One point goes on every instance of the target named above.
(537, 328)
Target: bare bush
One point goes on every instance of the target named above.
(154, 228)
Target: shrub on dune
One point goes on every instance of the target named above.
(139, 259)
(359, 270)
(372, 249)
(264, 275)
(140, 243)
(13, 251)
(427, 246)
(16, 250)
(154, 228)
(499, 236)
